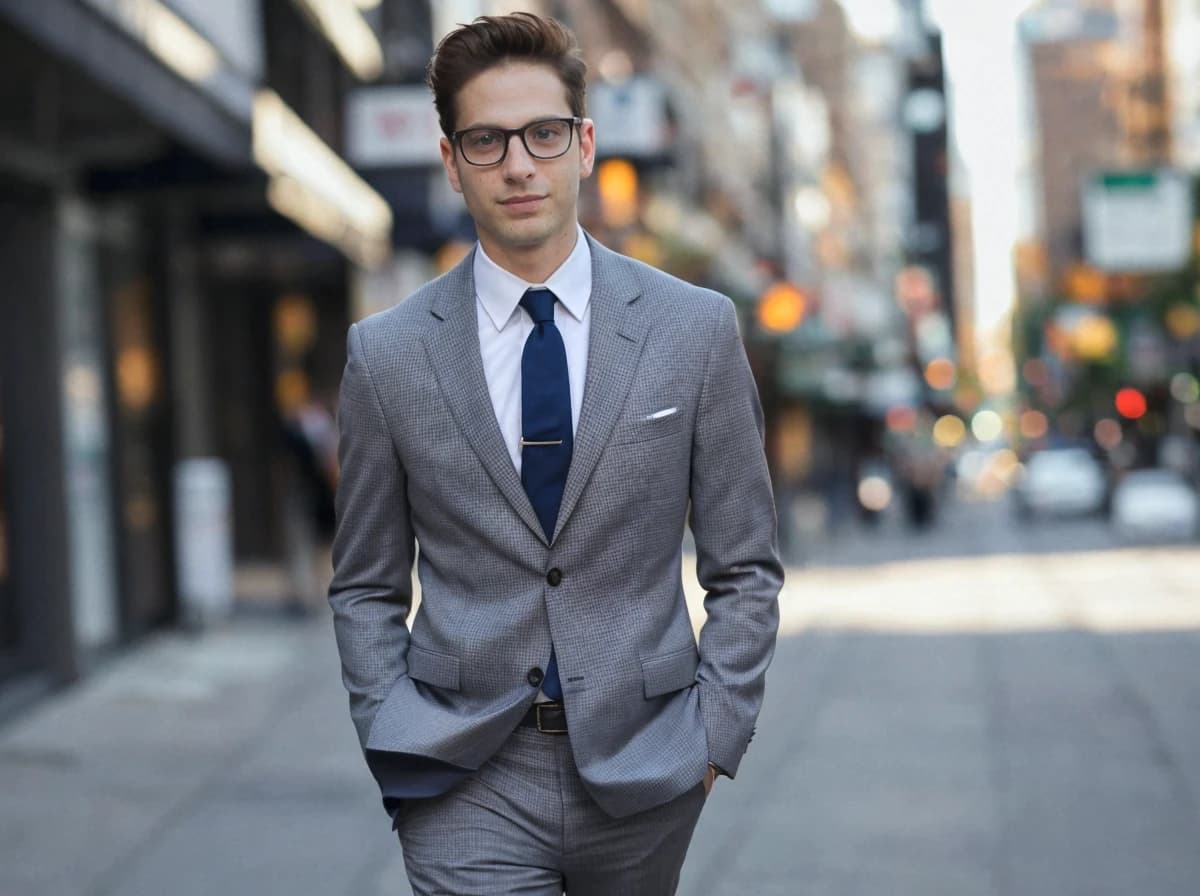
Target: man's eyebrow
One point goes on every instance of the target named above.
(500, 127)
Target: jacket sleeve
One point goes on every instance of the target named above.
(373, 548)
(737, 562)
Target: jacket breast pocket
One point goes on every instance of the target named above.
(647, 428)
(437, 669)
(669, 672)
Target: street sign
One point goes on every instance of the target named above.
(1135, 221)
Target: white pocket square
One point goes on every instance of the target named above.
(658, 415)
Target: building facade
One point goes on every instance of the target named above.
(170, 186)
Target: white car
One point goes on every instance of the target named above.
(1155, 503)
(1060, 482)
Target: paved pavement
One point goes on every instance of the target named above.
(964, 712)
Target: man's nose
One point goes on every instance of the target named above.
(517, 161)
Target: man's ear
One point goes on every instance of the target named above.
(450, 163)
(587, 147)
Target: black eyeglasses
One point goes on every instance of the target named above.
(545, 139)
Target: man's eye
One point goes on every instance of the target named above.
(483, 139)
(547, 132)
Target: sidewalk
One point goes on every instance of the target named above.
(993, 757)
(219, 764)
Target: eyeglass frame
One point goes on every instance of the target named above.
(573, 120)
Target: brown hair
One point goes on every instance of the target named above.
(494, 40)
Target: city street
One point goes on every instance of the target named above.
(981, 708)
(923, 273)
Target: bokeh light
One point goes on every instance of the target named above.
(949, 431)
(1192, 415)
(1183, 321)
(941, 374)
(987, 426)
(1130, 403)
(1107, 433)
(617, 184)
(901, 418)
(1185, 388)
(998, 474)
(1034, 425)
(781, 308)
(874, 493)
(1095, 339)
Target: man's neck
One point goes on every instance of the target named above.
(536, 264)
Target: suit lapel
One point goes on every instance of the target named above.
(452, 345)
(614, 346)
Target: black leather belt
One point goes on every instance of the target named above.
(548, 718)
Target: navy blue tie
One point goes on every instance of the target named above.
(546, 439)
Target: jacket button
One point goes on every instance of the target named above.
(554, 576)
(534, 677)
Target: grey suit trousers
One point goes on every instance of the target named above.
(524, 824)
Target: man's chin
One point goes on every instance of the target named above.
(527, 234)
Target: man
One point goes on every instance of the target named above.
(540, 421)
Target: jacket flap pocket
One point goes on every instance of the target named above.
(436, 669)
(669, 672)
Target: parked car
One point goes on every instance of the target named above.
(1060, 482)
(1155, 504)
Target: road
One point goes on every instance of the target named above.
(980, 709)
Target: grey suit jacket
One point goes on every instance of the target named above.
(423, 463)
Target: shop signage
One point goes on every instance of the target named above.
(391, 127)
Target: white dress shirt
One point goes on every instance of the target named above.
(504, 326)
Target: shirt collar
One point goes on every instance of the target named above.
(500, 291)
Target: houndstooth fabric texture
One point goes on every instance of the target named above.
(670, 424)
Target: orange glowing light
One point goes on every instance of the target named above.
(949, 431)
(1183, 321)
(1085, 284)
(941, 374)
(1130, 403)
(781, 308)
(617, 183)
(1034, 424)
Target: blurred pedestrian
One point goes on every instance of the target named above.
(311, 474)
(539, 421)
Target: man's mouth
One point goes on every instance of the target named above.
(522, 203)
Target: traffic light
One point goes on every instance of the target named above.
(1130, 403)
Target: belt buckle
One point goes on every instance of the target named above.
(538, 711)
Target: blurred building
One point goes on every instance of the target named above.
(1073, 54)
(801, 189)
(178, 230)
(1181, 28)
(1099, 77)
(1109, 312)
